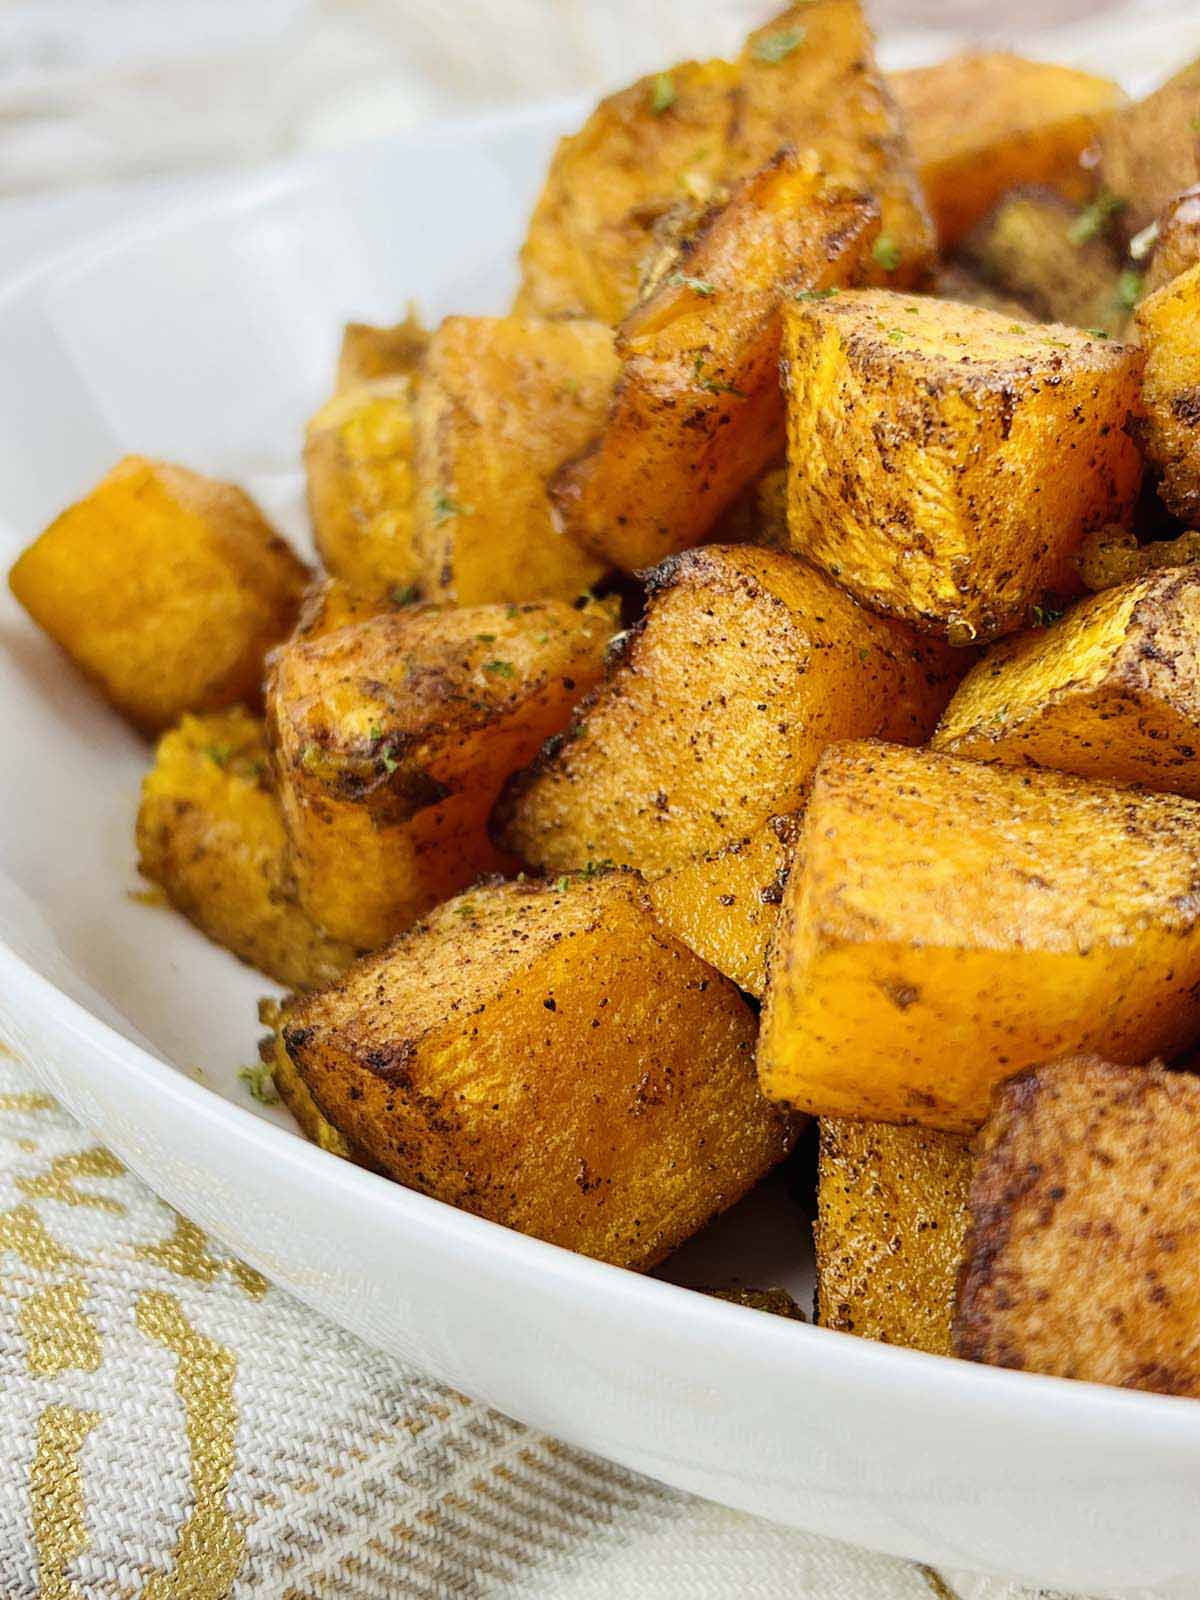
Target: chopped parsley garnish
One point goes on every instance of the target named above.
(662, 95)
(1097, 333)
(500, 669)
(260, 1084)
(219, 753)
(897, 335)
(310, 755)
(1044, 615)
(445, 508)
(773, 48)
(486, 638)
(1129, 289)
(594, 868)
(1094, 219)
(712, 385)
(465, 908)
(886, 254)
(404, 596)
(389, 761)
(374, 733)
(562, 883)
(864, 654)
(696, 285)
(814, 294)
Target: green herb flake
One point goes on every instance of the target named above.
(444, 507)
(486, 638)
(1097, 333)
(465, 908)
(662, 94)
(390, 764)
(1094, 219)
(309, 756)
(562, 883)
(773, 48)
(499, 669)
(886, 253)
(1017, 327)
(219, 753)
(710, 384)
(699, 286)
(595, 868)
(814, 294)
(1129, 289)
(897, 335)
(864, 654)
(260, 1084)
(403, 596)
(1045, 615)
(375, 733)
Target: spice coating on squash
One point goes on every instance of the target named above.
(453, 1060)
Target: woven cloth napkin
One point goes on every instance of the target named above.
(175, 1428)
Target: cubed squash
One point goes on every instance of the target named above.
(546, 1056)
(1084, 1247)
(358, 458)
(210, 833)
(714, 712)
(1111, 690)
(949, 923)
(166, 588)
(984, 123)
(393, 737)
(891, 1222)
(946, 463)
(502, 402)
(698, 412)
(652, 157)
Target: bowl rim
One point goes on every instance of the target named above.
(796, 1352)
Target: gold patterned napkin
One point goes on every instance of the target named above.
(174, 1428)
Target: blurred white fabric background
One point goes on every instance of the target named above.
(100, 90)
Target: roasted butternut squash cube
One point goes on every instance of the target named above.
(654, 156)
(949, 923)
(714, 712)
(1150, 151)
(1084, 1243)
(358, 458)
(1169, 325)
(1177, 246)
(546, 1056)
(503, 401)
(945, 463)
(724, 905)
(1032, 247)
(1111, 690)
(369, 352)
(166, 588)
(984, 123)
(210, 833)
(698, 412)
(891, 1221)
(393, 736)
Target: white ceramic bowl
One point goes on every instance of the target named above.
(208, 336)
